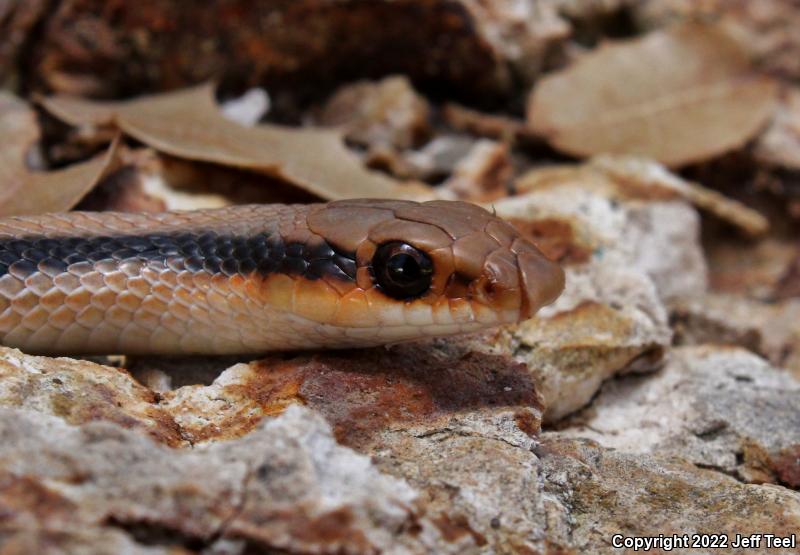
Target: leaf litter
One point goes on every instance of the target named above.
(679, 96)
(188, 124)
(25, 191)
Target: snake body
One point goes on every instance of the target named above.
(260, 278)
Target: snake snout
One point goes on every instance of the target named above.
(542, 280)
(518, 280)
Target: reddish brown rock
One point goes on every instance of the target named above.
(361, 393)
(101, 49)
(17, 20)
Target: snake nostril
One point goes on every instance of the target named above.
(491, 291)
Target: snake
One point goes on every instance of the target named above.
(260, 278)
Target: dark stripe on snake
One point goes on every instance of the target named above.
(264, 253)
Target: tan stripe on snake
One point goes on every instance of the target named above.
(250, 279)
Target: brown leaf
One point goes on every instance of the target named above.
(679, 96)
(188, 124)
(23, 191)
(633, 178)
(647, 177)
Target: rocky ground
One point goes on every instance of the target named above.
(659, 395)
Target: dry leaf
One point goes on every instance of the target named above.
(188, 124)
(649, 175)
(678, 96)
(23, 191)
(630, 177)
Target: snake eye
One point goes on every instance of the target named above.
(402, 271)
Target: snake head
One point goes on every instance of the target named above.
(430, 269)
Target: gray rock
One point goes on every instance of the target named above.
(721, 408)
(287, 485)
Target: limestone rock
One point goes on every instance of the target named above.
(717, 407)
(79, 391)
(387, 113)
(286, 486)
(768, 329)
(617, 256)
(594, 493)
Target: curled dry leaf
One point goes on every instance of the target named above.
(644, 173)
(501, 128)
(23, 191)
(188, 124)
(631, 177)
(678, 96)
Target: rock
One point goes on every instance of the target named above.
(286, 486)
(716, 407)
(79, 391)
(618, 258)
(750, 269)
(768, 329)
(779, 144)
(594, 493)
(247, 109)
(423, 386)
(423, 412)
(524, 33)
(629, 211)
(438, 158)
(297, 50)
(454, 465)
(620, 226)
(484, 174)
(564, 350)
(477, 479)
(387, 113)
